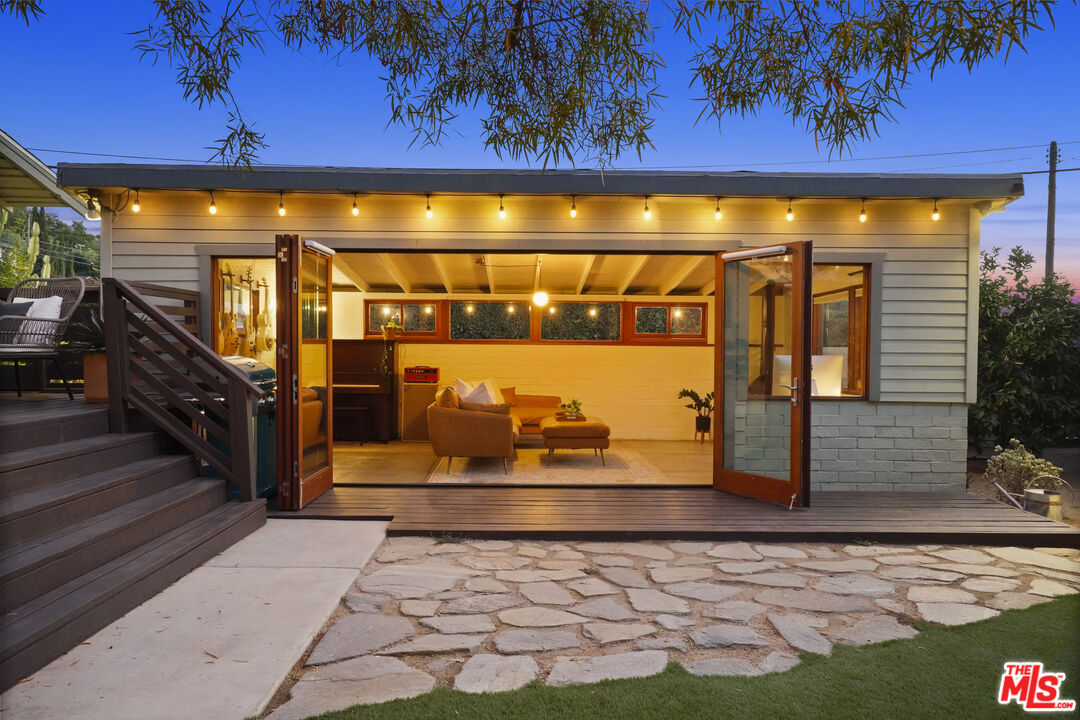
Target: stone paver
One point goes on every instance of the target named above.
(1049, 588)
(491, 544)
(964, 555)
(735, 551)
(690, 548)
(814, 600)
(673, 622)
(366, 680)
(359, 634)
(639, 663)
(679, 574)
(801, 636)
(527, 576)
(495, 563)
(1023, 556)
(876, 629)
(496, 673)
(746, 568)
(708, 592)
(436, 644)
(625, 577)
(458, 624)
(613, 561)
(723, 635)
(721, 666)
(778, 662)
(990, 585)
(609, 632)
(904, 572)
(414, 581)
(968, 569)
(661, 643)
(485, 585)
(1015, 600)
(645, 550)
(775, 579)
(937, 594)
(538, 617)
(874, 550)
(656, 601)
(739, 610)
(532, 552)
(420, 608)
(546, 593)
(954, 613)
(780, 551)
(831, 566)
(854, 584)
(603, 608)
(480, 604)
(365, 602)
(592, 587)
(522, 641)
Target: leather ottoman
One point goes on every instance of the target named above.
(590, 434)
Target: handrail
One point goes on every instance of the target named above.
(153, 374)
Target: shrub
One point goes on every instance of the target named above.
(1029, 356)
(1015, 469)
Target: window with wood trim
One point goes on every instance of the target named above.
(489, 320)
(581, 321)
(839, 340)
(418, 319)
(667, 321)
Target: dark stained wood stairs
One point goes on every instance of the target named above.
(92, 524)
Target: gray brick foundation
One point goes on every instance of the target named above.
(888, 446)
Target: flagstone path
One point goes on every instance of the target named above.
(493, 615)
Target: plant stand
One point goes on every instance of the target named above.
(703, 427)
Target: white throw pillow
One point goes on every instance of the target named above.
(495, 391)
(481, 395)
(48, 308)
(462, 388)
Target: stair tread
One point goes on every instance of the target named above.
(22, 413)
(65, 540)
(40, 455)
(24, 503)
(44, 614)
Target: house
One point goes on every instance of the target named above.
(868, 286)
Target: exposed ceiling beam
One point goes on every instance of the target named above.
(444, 276)
(635, 269)
(708, 288)
(680, 275)
(489, 268)
(395, 271)
(590, 260)
(348, 271)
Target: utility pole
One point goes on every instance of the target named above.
(1051, 202)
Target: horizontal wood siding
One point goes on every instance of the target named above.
(924, 289)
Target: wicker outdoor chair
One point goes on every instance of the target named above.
(32, 338)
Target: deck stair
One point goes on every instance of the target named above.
(94, 523)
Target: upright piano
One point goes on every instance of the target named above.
(365, 390)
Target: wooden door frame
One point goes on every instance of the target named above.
(294, 491)
(761, 486)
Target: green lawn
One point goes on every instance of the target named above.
(943, 673)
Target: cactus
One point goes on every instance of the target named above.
(33, 245)
(46, 266)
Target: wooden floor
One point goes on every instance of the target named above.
(687, 512)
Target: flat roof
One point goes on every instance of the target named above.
(25, 181)
(110, 177)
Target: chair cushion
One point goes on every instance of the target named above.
(532, 415)
(591, 428)
(498, 408)
(447, 398)
(47, 308)
(509, 394)
(15, 309)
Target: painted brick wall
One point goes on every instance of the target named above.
(888, 446)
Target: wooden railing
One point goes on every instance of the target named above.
(161, 369)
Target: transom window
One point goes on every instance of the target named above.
(414, 318)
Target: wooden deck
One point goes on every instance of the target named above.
(686, 512)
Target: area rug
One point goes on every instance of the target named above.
(531, 466)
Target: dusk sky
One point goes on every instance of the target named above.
(76, 84)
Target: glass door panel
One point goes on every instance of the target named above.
(762, 363)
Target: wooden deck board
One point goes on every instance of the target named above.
(686, 512)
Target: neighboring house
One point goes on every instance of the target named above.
(894, 316)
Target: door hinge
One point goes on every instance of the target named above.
(295, 389)
(296, 468)
(294, 286)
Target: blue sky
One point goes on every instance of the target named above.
(81, 86)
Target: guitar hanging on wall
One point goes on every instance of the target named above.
(230, 334)
(264, 341)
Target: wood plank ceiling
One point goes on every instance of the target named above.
(517, 274)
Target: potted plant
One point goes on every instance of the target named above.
(571, 409)
(389, 330)
(1026, 478)
(703, 406)
(88, 335)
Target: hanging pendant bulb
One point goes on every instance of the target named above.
(717, 213)
(502, 210)
(573, 207)
(647, 213)
(135, 206)
(790, 215)
(213, 206)
(935, 215)
(355, 209)
(862, 211)
(427, 208)
(281, 204)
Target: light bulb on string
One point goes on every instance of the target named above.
(790, 215)
(717, 214)
(502, 210)
(355, 209)
(646, 213)
(135, 207)
(212, 209)
(281, 204)
(427, 208)
(573, 207)
(862, 211)
(935, 215)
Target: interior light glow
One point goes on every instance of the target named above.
(135, 206)
(510, 309)
(469, 309)
(592, 312)
(551, 310)
(678, 313)
(427, 309)
(540, 298)
(385, 310)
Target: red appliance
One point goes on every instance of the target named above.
(421, 374)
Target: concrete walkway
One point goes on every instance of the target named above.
(216, 644)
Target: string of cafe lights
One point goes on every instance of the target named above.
(503, 214)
